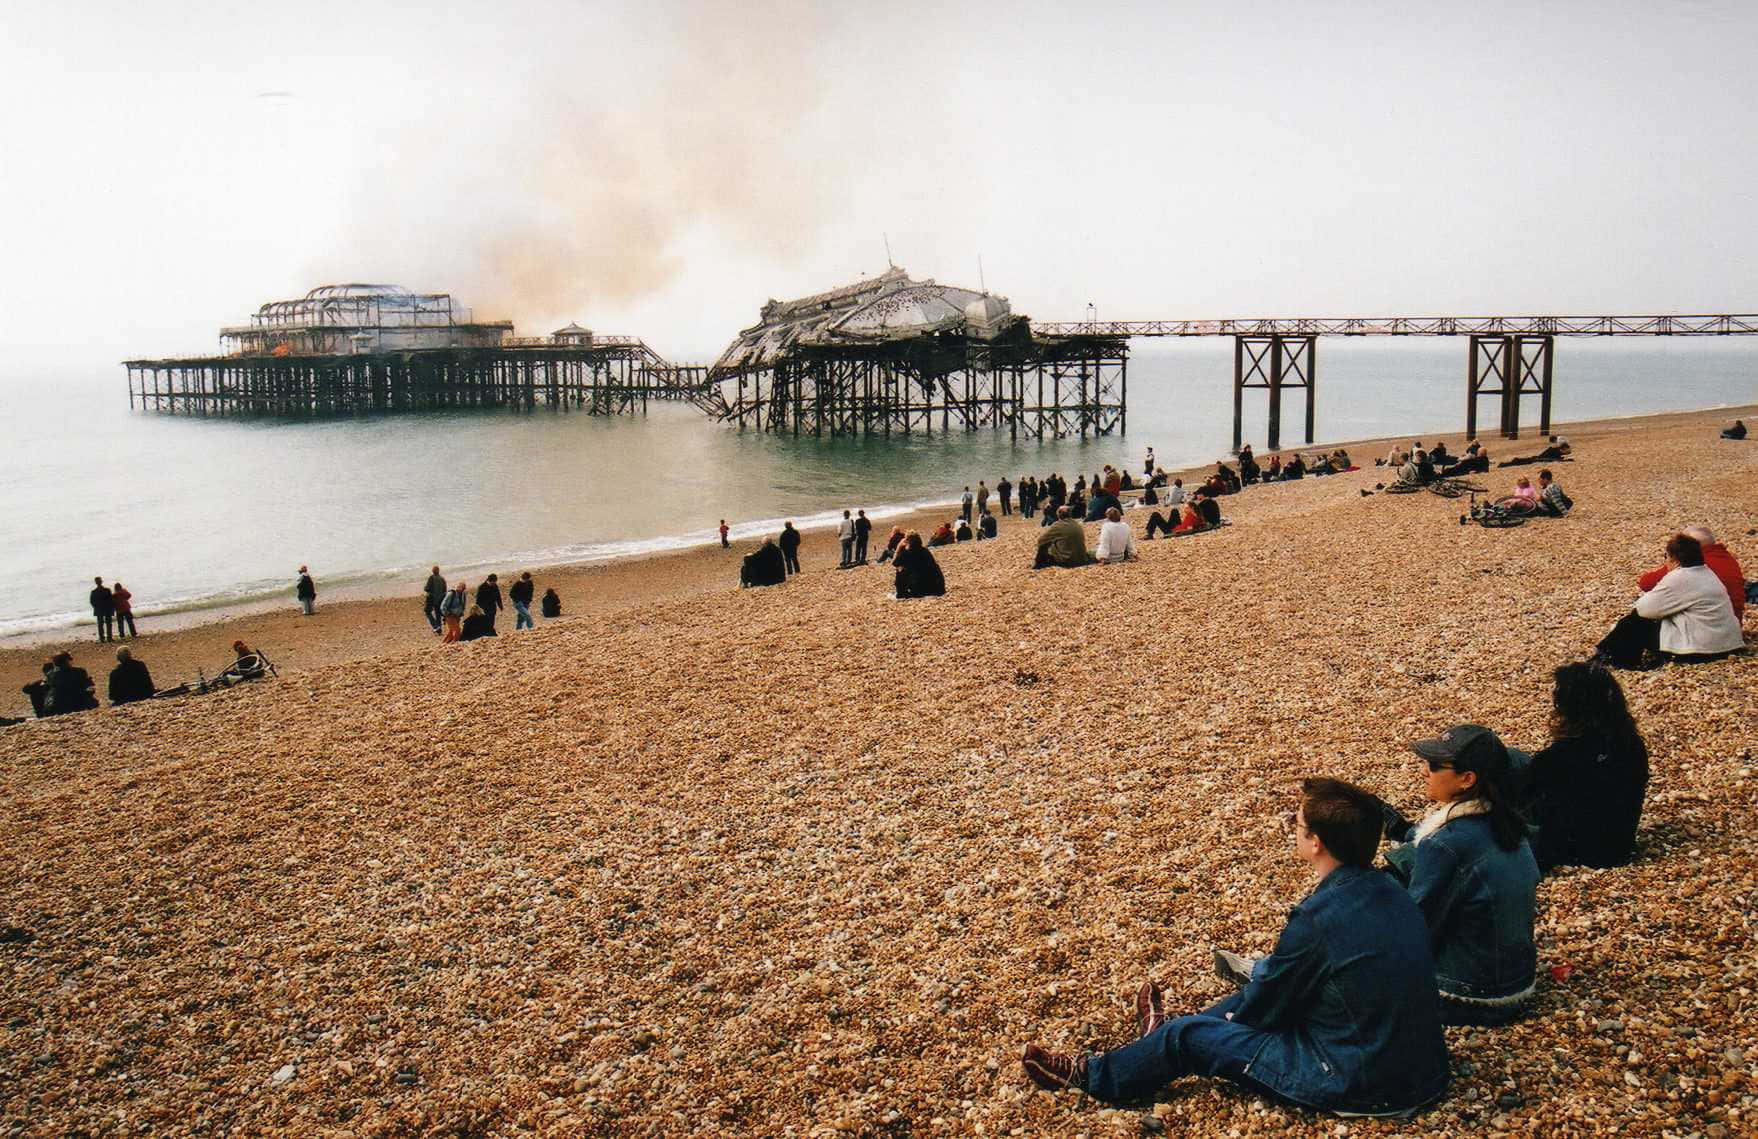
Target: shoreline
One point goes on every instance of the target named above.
(368, 622)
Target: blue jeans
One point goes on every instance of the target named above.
(1207, 1044)
(523, 619)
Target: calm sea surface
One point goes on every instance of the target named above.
(194, 513)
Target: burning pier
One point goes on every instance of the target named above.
(894, 356)
(359, 347)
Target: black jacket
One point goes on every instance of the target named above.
(130, 681)
(918, 574)
(306, 588)
(488, 595)
(70, 690)
(552, 604)
(789, 540)
(521, 591)
(863, 526)
(474, 627)
(103, 602)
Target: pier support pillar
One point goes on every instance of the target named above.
(1511, 367)
(1273, 363)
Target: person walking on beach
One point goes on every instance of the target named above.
(129, 680)
(453, 609)
(433, 597)
(488, 598)
(1004, 491)
(724, 544)
(306, 591)
(103, 607)
(845, 533)
(966, 503)
(520, 595)
(124, 603)
(790, 547)
(863, 531)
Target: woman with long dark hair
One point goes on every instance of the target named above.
(1585, 789)
(918, 574)
(1471, 872)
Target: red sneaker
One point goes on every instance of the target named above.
(1150, 1008)
(1054, 1071)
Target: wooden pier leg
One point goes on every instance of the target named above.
(1311, 383)
(1275, 438)
(1513, 363)
(1238, 393)
(1544, 392)
(1471, 389)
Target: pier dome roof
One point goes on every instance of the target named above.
(889, 307)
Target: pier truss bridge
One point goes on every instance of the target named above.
(1508, 358)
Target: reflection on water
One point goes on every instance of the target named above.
(185, 510)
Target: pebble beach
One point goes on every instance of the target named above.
(809, 861)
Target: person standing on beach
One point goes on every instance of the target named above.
(453, 609)
(1149, 465)
(306, 591)
(488, 597)
(966, 503)
(863, 531)
(103, 607)
(434, 594)
(124, 603)
(724, 544)
(521, 594)
(982, 496)
(1004, 491)
(845, 533)
(790, 547)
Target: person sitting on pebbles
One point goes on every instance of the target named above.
(1342, 1017)
(1472, 873)
(1063, 543)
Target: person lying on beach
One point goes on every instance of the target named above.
(1721, 563)
(1556, 452)
(1343, 1016)
(1116, 543)
(1551, 498)
(891, 544)
(1162, 523)
(1737, 431)
(1584, 790)
(1194, 519)
(1474, 461)
(942, 536)
(1687, 615)
(478, 624)
(918, 574)
(129, 680)
(1063, 543)
(764, 566)
(1470, 870)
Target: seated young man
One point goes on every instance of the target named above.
(1737, 431)
(1343, 1016)
(1551, 499)
(1064, 543)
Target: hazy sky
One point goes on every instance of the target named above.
(662, 168)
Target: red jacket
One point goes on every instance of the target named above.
(1722, 564)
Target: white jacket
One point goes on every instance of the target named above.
(1694, 612)
(1115, 541)
(847, 530)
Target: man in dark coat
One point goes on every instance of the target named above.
(1004, 491)
(129, 680)
(38, 691)
(520, 595)
(306, 591)
(103, 608)
(863, 531)
(790, 547)
(764, 566)
(434, 595)
(488, 598)
(70, 688)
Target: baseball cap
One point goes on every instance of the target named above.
(1470, 747)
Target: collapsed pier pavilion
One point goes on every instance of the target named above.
(367, 347)
(895, 356)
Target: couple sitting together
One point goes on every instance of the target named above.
(1203, 513)
(1346, 1014)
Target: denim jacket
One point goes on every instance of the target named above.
(1478, 900)
(1348, 999)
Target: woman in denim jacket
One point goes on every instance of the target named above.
(1471, 872)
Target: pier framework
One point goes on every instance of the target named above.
(1031, 387)
(606, 376)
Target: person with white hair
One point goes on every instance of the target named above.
(1720, 562)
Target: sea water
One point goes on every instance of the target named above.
(195, 513)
